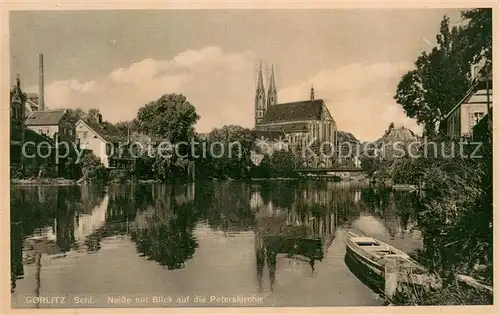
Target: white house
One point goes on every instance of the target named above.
(476, 104)
(103, 139)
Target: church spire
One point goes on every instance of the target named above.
(260, 80)
(260, 98)
(272, 94)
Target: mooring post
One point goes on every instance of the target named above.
(391, 277)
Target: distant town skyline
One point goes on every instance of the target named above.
(117, 61)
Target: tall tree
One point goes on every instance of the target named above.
(439, 80)
(171, 116)
(230, 151)
(478, 34)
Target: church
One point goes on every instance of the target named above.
(298, 123)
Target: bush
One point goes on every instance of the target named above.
(92, 168)
(119, 176)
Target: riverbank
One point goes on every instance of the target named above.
(43, 182)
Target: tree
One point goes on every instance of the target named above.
(128, 126)
(281, 163)
(93, 114)
(229, 154)
(439, 81)
(92, 168)
(478, 34)
(75, 114)
(171, 117)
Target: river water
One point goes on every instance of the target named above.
(200, 244)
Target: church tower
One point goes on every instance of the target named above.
(272, 94)
(260, 98)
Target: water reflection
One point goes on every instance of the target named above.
(164, 232)
(289, 221)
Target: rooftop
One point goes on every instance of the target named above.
(107, 131)
(269, 134)
(46, 118)
(295, 111)
(346, 136)
(290, 127)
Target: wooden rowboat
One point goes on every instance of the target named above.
(374, 255)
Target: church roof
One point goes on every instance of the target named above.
(287, 128)
(295, 111)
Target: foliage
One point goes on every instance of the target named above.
(455, 294)
(279, 164)
(228, 152)
(171, 117)
(439, 80)
(75, 114)
(407, 171)
(93, 114)
(126, 126)
(92, 168)
(370, 162)
(478, 34)
(456, 219)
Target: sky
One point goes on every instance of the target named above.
(118, 61)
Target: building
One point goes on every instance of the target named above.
(17, 127)
(302, 122)
(475, 105)
(266, 143)
(104, 140)
(349, 148)
(22, 137)
(483, 130)
(32, 101)
(52, 124)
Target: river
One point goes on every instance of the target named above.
(199, 244)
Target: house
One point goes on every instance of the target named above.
(476, 104)
(104, 140)
(52, 124)
(482, 131)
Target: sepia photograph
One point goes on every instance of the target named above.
(174, 158)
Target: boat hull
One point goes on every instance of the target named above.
(370, 256)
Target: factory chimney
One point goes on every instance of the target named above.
(41, 100)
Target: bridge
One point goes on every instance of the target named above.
(333, 169)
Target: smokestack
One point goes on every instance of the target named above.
(41, 100)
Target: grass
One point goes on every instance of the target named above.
(453, 294)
